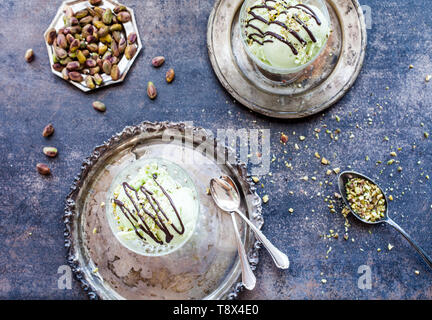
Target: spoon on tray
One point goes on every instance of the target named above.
(344, 178)
(227, 197)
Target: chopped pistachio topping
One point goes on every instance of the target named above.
(366, 199)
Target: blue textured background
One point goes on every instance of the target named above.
(31, 97)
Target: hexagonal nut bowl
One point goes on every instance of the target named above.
(129, 27)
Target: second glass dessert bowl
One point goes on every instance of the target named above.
(152, 207)
(284, 37)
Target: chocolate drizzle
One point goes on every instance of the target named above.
(259, 36)
(140, 212)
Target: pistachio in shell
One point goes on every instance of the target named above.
(75, 76)
(58, 67)
(99, 106)
(102, 49)
(91, 63)
(106, 67)
(29, 55)
(81, 14)
(81, 57)
(75, 45)
(86, 20)
(43, 169)
(130, 51)
(170, 75)
(50, 36)
(116, 27)
(48, 130)
(119, 8)
(115, 49)
(115, 72)
(123, 17)
(107, 17)
(158, 61)
(95, 2)
(73, 66)
(60, 53)
(89, 82)
(94, 70)
(98, 79)
(151, 90)
(132, 37)
(65, 74)
(50, 152)
(122, 45)
(61, 41)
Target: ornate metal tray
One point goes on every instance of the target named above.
(129, 27)
(323, 83)
(206, 267)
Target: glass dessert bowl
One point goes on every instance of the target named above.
(152, 207)
(284, 37)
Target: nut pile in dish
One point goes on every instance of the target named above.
(92, 43)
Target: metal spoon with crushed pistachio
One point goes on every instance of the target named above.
(368, 203)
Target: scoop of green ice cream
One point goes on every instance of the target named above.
(285, 34)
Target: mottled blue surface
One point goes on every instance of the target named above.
(31, 97)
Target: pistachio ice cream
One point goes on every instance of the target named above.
(284, 34)
(153, 207)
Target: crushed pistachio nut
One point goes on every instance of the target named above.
(284, 138)
(95, 231)
(426, 135)
(317, 155)
(324, 281)
(324, 161)
(417, 272)
(302, 138)
(366, 199)
(255, 179)
(336, 170)
(390, 247)
(428, 78)
(393, 154)
(265, 198)
(390, 197)
(291, 210)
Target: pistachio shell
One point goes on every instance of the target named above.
(99, 106)
(43, 169)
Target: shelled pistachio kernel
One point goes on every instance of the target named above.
(29, 55)
(366, 199)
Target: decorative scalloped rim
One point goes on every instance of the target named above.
(128, 132)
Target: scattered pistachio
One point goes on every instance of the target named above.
(99, 106)
(132, 38)
(284, 138)
(29, 55)
(50, 152)
(170, 75)
(115, 72)
(43, 169)
(151, 90)
(130, 51)
(48, 130)
(158, 61)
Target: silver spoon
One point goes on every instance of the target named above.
(227, 197)
(344, 177)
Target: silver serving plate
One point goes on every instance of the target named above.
(129, 27)
(206, 267)
(323, 83)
